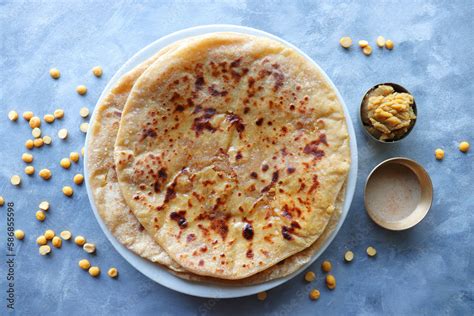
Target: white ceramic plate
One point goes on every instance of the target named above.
(160, 274)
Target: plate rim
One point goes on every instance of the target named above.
(160, 274)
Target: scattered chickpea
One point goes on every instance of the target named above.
(13, 116)
(28, 115)
(15, 180)
(113, 272)
(363, 43)
(65, 234)
(35, 122)
(41, 240)
(84, 264)
(389, 44)
(80, 240)
(371, 251)
(29, 170)
(464, 147)
(439, 154)
(78, 179)
(44, 205)
(380, 41)
(54, 73)
(326, 266)
(62, 133)
(44, 250)
(74, 156)
(84, 112)
(57, 242)
(45, 174)
(40, 215)
(65, 163)
(310, 276)
(314, 294)
(19, 234)
(47, 140)
(68, 191)
(345, 42)
(27, 157)
(81, 89)
(89, 247)
(331, 282)
(59, 113)
(262, 296)
(49, 234)
(29, 144)
(38, 142)
(36, 132)
(83, 127)
(49, 118)
(94, 271)
(348, 256)
(2, 200)
(97, 71)
(367, 50)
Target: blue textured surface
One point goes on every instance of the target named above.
(426, 270)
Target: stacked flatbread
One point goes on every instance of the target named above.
(222, 158)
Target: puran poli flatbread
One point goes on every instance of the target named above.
(102, 176)
(115, 213)
(196, 137)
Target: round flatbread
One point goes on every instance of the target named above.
(103, 182)
(231, 153)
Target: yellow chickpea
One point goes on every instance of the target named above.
(65, 234)
(47, 140)
(68, 191)
(28, 115)
(97, 71)
(45, 174)
(44, 250)
(29, 144)
(371, 251)
(389, 44)
(19, 234)
(326, 266)
(49, 234)
(80, 240)
(348, 256)
(439, 154)
(84, 112)
(59, 113)
(49, 118)
(78, 179)
(13, 116)
(40, 215)
(54, 73)
(81, 89)
(367, 50)
(57, 242)
(84, 264)
(65, 163)
(15, 180)
(464, 147)
(113, 272)
(29, 170)
(28, 158)
(38, 142)
(62, 133)
(262, 296)
(94, 271)
(310, 276)
(44, 205)
(41, 240)
(35, 122)
(74, 156)
(345, 42)
(314, 294)
(2, 200)
(330, 282)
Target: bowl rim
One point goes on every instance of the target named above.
(398, 88)
(403, 224)
(160, 274)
